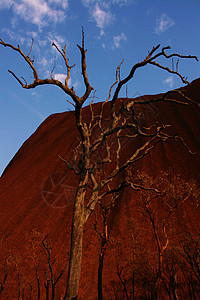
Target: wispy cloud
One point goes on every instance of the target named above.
(43, 62)
(64, 3)
(100, 13)
(169, 81)
(38, 12)
(39, 114)
(115, 42)
(123, 2)
(61, 77)
(59, 40)
(118, 39)
(21, 37)
(88, 2)
(6, 3)
(163, 23)
(102, 17)
(108, 2)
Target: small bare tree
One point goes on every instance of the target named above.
(51, 279)
(48, 278)
(105, 207)
(104, 132)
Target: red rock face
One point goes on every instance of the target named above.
(36, 198)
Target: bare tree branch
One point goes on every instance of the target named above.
(150, 59)
(37, 81)
(84, 67)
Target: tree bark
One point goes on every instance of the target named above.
(75, 258)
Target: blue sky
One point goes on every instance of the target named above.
(114, 30)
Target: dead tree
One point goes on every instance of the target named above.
(51, 279)
(177, 192)
(121, 123)
(105, 207)
(191, 254)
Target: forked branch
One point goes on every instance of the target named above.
(37, 81)
(89, 88)
(150, 59)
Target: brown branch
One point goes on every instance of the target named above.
(64, 55)
(164, 98)
(92, 113)
(118, 150)
(140, 153)
(37, 81)
(91, 204)
(169, 71)
(71, 103)
(89, 88)
(117, 78)
(123, 282)
(177, 55)
(27, 58)
(28, 55)
(53, 68)
(52, 279)
(150, 59)
(70, 166)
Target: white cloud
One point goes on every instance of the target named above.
(118, 39)
(169, 81)
(163, 23)
(43, 62)
(100, 11)
(33, 34)
(56, 39)
(38, 12)
(107, 3)
(13, 35)
(122, 2)
(61, 77)
(64, 3)
(41, 42)
(102, 18)
(9, 33)
(87, 2)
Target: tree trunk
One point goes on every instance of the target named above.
(100, 275)
(75, 258)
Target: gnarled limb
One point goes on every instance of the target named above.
(37, 81)
(150, 59)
